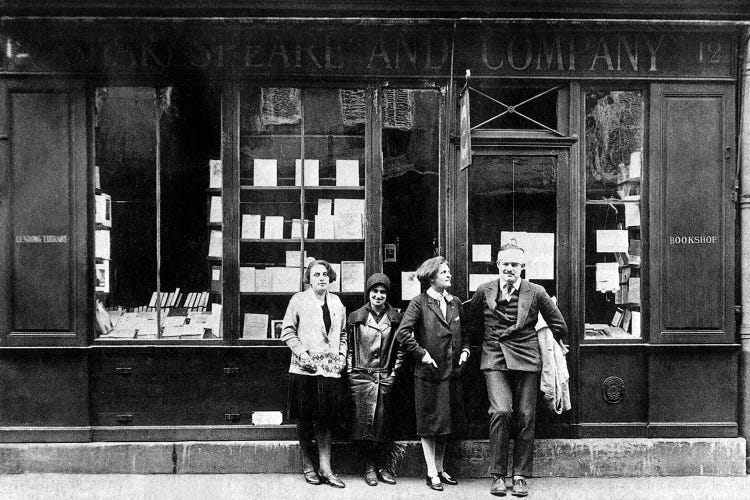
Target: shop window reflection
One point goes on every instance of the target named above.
(513, 199)
(155, 221)
(614, 214)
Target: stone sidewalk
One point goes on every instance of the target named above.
(292, 487)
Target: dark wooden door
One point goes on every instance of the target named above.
(692, 213)
(44, 275)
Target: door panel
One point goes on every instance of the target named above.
(692, 238)
(45, 207)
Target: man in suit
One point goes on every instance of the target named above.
(505, 312)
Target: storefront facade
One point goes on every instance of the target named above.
(200, 158)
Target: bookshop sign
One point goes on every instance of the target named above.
(347, 49)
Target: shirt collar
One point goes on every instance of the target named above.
(435, 295)
(504, 285)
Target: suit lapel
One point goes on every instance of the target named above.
(525, 297)
(435, 306)
(450, 310)
(490, 295)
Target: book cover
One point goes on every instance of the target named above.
(250, 227)
(102, 276)
(274, 227)
(352, 276)
(265, 172)
(324, 227)
(297, 228)
(215, 213)
(617, 317)
(103, 214)
(626, 318)
(97, 178)
(214, 174)
(216, 279)
(634, 291)
(215, 246)
(349, 205)
(101, 244)
(285, 279)
(409, 285)
(325, 206)
(635, 324)
(312, 172)
(255, 326)
(294, 258)
(263, 280)
(247, 279)
(347, 172)
(348, 226)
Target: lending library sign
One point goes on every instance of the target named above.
(212, 48)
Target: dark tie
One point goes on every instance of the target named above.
(509, 288)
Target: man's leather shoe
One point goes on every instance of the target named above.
(371, 478)
(434, 483)
(311, 477)
(498, 486)
(332, 480)
(386, 477)
(520, 488)
(446, 478)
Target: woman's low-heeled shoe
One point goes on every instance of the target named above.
(332, 480)
(311, 477)
(446, 478)
(434, 486)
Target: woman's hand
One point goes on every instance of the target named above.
(464, 358)
(427, 359)
(306, 362)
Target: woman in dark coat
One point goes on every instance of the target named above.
(372, 360)
(430, 332)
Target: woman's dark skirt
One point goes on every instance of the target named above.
(432, 405)
(317, 398)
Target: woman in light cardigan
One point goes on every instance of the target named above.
(314, 328)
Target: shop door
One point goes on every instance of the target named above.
(43, 179)
(520, 195)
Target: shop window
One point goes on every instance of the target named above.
(302, 197)
(158, 214)
(615, 217)
(512, 198)
(410, 186)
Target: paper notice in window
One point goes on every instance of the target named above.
(632, 212)
(325, 206)
(539, 249)
(274, 227)
(607, 277)
(251, 226)
(409, 285)
(215, 214)
(347, 172)
(352, 276)
(264, 172)
(611, 240)
(477, 279)
(255, 327)
(481, 253)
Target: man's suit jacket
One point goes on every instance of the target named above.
(518, 345)
(423, 328)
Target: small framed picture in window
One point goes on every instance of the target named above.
(389, 252)
(276, 328)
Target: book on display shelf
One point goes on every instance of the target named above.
(265, 172)
(347, 172)
(214, 174)
(274, 227)
(312, 172)
(251, 226)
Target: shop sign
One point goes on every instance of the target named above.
(367, 50)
